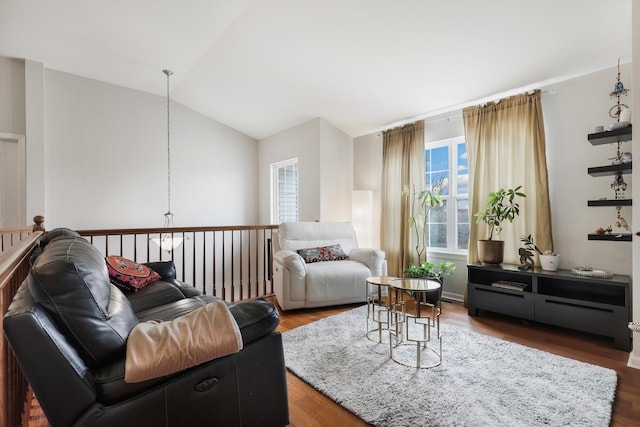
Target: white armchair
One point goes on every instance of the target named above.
(299, 284)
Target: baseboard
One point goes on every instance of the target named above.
(634, 356)
(451, 296)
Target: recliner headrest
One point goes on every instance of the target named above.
(70, 280)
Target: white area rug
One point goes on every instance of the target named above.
(483, 381)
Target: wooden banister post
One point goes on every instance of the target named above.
(38, 223)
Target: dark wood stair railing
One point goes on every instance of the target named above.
(230, 262)
(16, 246)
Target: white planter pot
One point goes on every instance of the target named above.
(549, 262)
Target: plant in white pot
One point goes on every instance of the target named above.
(501, 206)
(549, 260)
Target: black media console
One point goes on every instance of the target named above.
(600, 306)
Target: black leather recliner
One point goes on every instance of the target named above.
(68, 327)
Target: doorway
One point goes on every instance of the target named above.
(12, 180)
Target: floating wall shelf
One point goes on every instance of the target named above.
(609, 202)
(614, 237)
(610, 136)
(611, 170)
(615, 136)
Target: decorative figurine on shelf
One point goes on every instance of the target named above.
(619, 186)
(625, 157)
(621, 222)
(618, 90)
(526, 259)
(621, 159)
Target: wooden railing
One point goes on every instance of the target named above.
(18, 244)
(232, 262)
(9, 237)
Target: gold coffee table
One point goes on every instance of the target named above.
(417, 300)
(378, 305)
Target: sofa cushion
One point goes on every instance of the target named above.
(299, 235)
(129, 275)
(69, 279)
(323, 253)
(157, 294)
(171, 310)
(339, 281)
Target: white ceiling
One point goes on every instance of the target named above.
(262, 66)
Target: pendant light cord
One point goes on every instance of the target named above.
(168, 73)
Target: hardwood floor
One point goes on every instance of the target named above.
(309, 408)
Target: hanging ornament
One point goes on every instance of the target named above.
(618, 90)
(621, 222)
(619, 186)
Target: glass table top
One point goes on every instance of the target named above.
(411, 284)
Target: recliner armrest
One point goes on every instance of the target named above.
(255, 318)
(368, 256)
(166, 269)
(291, 261)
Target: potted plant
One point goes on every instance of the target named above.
(423, 202)
(501, 205)
(549, 260)
(428, 270)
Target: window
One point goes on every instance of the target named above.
(284, 191)
(447, 167)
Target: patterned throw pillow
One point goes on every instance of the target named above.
(323, 253)
(336, 253)
(129, 275)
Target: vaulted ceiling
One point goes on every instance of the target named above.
(262, 66)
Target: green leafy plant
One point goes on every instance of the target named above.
(422, 202)
(501, 205)
(530, 245)
(428, 270)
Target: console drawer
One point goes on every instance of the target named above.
(600, 319)
(498, 300)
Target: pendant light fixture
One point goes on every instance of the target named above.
(168, 241)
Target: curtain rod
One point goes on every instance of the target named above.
(455, 111)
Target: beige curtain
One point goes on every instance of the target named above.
(506, 148)
(402, 164)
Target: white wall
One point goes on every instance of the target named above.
(325, 180)
(34, 117)
(367, 176)
(444, 127)
(301, 142)
(570, 114)
(336, 173)
(12, 111)
(106, 164)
